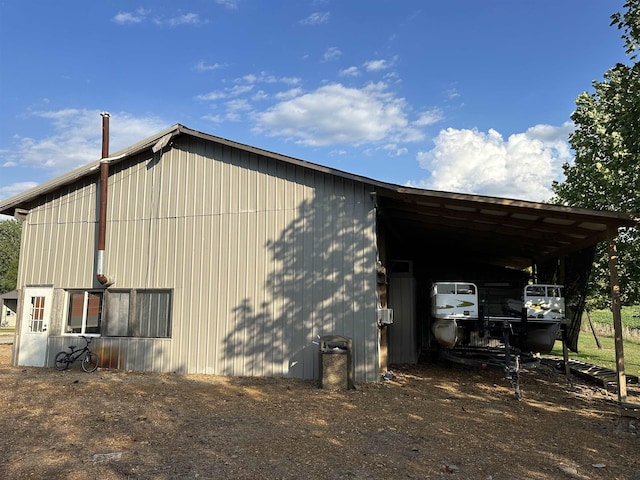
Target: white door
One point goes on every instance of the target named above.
(35, 324)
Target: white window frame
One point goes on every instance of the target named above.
(85, 306)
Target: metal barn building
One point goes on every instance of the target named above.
(191, 253)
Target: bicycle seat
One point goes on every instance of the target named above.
(72, 347)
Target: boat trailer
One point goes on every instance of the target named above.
(506, 358)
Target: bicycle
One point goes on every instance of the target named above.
(89, 363)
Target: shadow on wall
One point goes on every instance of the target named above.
(320, 282)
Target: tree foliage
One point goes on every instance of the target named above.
(605, 174)
(10, 231)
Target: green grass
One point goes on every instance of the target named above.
(588, 350)
(630, 316)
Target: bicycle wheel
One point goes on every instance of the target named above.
(62, 361)
(90, 362)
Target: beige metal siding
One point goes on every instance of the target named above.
(263, 257)
(59, 237)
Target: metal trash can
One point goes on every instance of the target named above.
(336, 363)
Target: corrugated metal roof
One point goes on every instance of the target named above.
(505, 231)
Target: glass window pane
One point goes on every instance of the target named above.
(446, 288)
(116, 318)
(37, 314)
(554, 292)
(76, 310)
(85, 313)
(153, 314)
(38, 308)
(535, 291)
(94, 312)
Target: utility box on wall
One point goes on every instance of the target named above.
(385, 316)
(336, 364)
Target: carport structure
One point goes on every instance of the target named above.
(461, 237)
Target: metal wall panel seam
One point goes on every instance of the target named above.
(216, 353)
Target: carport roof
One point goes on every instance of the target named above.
(500, 231)
(496, 231)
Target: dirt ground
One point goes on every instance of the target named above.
(430, 421)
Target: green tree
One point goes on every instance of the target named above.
(606, 169)
(10, 231)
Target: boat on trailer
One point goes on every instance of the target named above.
(461, 319)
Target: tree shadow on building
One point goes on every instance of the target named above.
(320, 280)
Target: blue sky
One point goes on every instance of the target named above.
(457, 95)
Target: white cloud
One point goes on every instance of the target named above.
(316, 18)
(234, 91)
(331, 53)
(291, 93)
(186, 19)
(523, 166)
(15, 188)
(452, 93)
(429, 117)
(129, 18)
(335, 114)
(141, 15)
(395, 151)
(206, 67)
(376, 65)
(263, 77)
(230, 4)
(213, 96)
(349, 72)
(260, 95)
(76, 139)
(239, 90)
(213, 118)
(238, 104)
(8, 163)
(238, 99)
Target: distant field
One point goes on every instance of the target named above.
(630, 317)
(602, 320)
